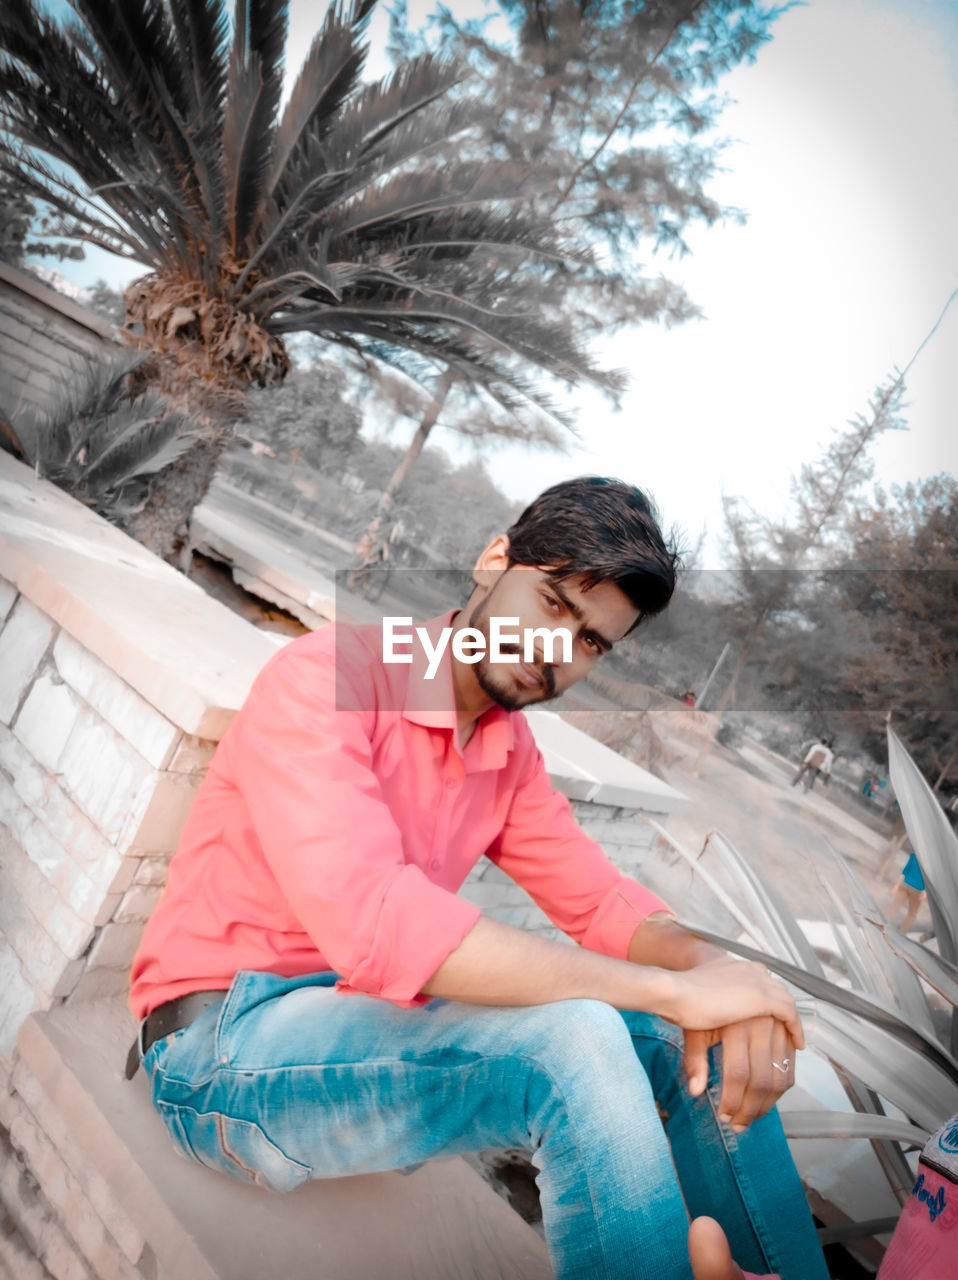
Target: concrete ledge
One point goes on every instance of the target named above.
(186, 654)
(585, 769)
(441, 1222)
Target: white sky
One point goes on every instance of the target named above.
(846, 139)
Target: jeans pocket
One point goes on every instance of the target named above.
(235, 1147)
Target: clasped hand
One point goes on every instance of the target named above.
(758, 1051)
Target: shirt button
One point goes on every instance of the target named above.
(451, 784)
(434, 864)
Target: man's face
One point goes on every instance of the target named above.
(597, 618)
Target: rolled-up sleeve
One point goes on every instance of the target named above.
(305, 771)
(566, 873)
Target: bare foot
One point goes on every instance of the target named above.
(710, 1256)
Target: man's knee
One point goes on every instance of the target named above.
(578, 1034)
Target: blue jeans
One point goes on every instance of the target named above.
(288, 1080)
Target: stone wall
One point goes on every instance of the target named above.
(44, 339)
(622, 833)
(95, 785)
(111, 705)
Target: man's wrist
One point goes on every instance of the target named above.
(660, 940)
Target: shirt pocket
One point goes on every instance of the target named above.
(238, 1148)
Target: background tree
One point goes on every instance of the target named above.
(457, 406)
(314, 413)
(897, 592)
(20, 222)
(107, 303)
(610, 105)
(772, 559)
(567, 100)
(156, 131)
(573, 100)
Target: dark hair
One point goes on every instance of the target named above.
(601, 530)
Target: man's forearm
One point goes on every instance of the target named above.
(660, 941)
(498, 964)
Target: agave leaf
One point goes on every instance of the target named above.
(888, 975)
(869, 1009)
(777, 921)
(843, 929)
(849, 1124)
(728, 902)
(934, 842)
(924, 1089)
(857, 1230)
(939, 975)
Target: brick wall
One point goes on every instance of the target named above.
(624, 836)
(44, 338)
(117, 678)
(95, 785)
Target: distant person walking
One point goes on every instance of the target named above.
(818, 761)
(911, 889)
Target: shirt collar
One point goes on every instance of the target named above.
(432, 704)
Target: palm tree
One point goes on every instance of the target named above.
(155, 129)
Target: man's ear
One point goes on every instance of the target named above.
(492, 563)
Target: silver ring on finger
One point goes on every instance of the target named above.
(782, 1066)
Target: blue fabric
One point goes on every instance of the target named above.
(289, 1080)
(912, 873)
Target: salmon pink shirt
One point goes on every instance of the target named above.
(338, 819)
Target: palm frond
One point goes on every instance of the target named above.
(254, 88)
(140, 53)
(412, 195)
(325, 172)
(145, 446)
(377, 111)
(326, 79)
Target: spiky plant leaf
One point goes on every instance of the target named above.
(939, 975)
(914, 1076)
(849, 1124)
(779, 925)
(934, 842)
(868, 1008)
(145, 447)
(326, 79)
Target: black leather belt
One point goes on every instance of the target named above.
(167, 1018)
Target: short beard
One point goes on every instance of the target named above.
(509, 700)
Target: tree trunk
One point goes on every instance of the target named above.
(947, 766)
(371, 546)
(746, 649)
(163, 524)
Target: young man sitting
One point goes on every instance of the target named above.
(319, 1002)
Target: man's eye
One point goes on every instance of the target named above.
(552, 603)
